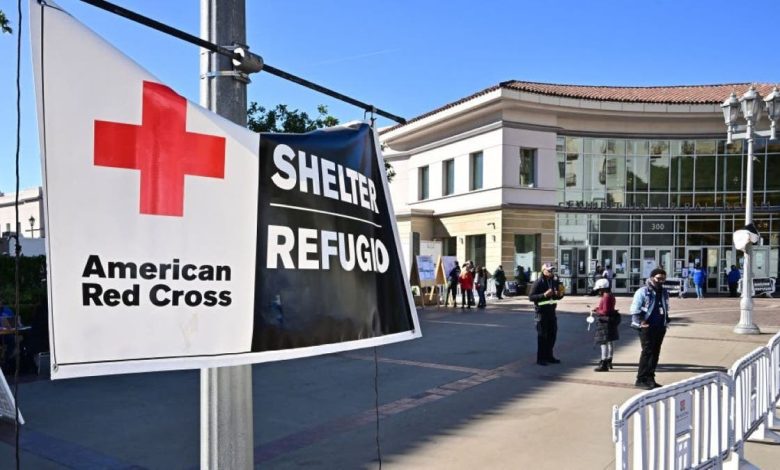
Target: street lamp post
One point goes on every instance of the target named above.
(751, 105)
(32, 226)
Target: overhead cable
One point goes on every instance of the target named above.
(241, 57)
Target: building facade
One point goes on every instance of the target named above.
(31, 223)
(620, 177)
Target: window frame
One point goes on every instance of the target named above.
(423, 183)
(533, 158)
(475, 185)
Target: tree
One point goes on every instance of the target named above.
(282, 119)
(4, 24)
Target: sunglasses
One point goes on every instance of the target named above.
(660, 278)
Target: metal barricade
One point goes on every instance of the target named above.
(682, 425)
(774, 380)
(751, 377)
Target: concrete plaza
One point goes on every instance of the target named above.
(466, 395)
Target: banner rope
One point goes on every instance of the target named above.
(17, 248)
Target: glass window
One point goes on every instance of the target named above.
(758, 175)
(615, 225)
(616, 147)
(561, 171)
(773, 172)
(705, 172)
(527, 248)
(637, 147)
(686, 173)
(448, 177)
(706, 147)
(733, 172)
(527, 167)
(475, 167)
(423, 183)
(659, 173)
(659, 199)
(638, 171)
(450, 246)
(475, 249)
(659, 148)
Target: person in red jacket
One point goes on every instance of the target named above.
(467, 285)
(607, 324)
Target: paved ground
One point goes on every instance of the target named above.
(467, 395)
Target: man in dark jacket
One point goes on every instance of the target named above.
(545, 293)
(452, 285)
(499, 277)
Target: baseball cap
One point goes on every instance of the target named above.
(548, 267)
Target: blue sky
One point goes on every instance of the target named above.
(409, 57)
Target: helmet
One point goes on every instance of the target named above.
(601, 284)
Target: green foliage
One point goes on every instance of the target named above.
(32, 282)
(282, 119)
(4, 24)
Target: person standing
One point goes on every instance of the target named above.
(733, 279)
(607, 324)
(481, 281)
(452, 285)
(545, 293)
(466, 286)
(699, 277)
(608, 275)
(499, 277)
(650, 315)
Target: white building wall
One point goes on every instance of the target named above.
(544, 190)
(463, 198)
(29, 205)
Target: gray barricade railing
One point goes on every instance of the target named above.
(774, 379)
(751, 377)
(682, 425)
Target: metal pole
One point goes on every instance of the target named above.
(746, 325)
(225, 393)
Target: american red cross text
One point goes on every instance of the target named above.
(162, 149)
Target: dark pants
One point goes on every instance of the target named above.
(651, 339)
(452, 289)
(733, 289)
(546, 333)
(500, 290)
(481, 294)
(467, 293)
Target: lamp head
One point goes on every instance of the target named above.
(772, 104)
(730, 109)
(751, 104)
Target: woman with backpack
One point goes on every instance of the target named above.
(607, 323)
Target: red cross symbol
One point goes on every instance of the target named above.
(162, 149)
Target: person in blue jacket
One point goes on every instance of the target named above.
(650, 315)
(733, 278)
(699, 276)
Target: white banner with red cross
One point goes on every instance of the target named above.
(151, 204)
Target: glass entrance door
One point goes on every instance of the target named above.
(616, 259)
(573, 269)
(707, 259)
(653, 257)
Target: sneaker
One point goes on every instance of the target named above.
(643, 385)
(541, 363)
(554, 360)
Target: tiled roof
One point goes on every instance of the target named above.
(683, 94)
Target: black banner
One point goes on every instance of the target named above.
(328, 268)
